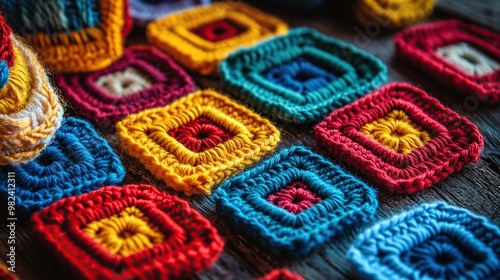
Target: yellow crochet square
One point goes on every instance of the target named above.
(175, 34)
(88, 49)
(393, 13)
(397, 132)
(164, 140)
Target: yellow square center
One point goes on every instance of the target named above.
(396, 131)
(125, 233)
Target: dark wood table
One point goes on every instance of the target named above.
(476, 187)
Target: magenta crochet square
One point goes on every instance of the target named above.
(143, 78)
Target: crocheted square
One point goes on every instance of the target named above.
(393, 13)
(143, 78)
(400, 138)
(71, 35)
(433, 241)
(201, 37)
(302, 76)
(295, 201)
(281, 274)
(144, 11)
(461, 56)
(130, 232)
(197, 141)
(77, 161)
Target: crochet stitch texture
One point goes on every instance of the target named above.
(144, 11)
(30, 112)
(77, 161)
(462, 56)
(130, 232)
(433, 241)
(201, 37)
(400, 138)
(281, 274)
(302, 76)
(143, 78)
(197, 141)
(71, 35)
(262, 202)
(393, 13)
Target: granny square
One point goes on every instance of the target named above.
(77, 161)
(130, 232)
(295, 201)
(281, 274)
(392, 13)
(433, 241)
(462, 56)
(71, 35)
(144, 11)
(400, 138)
(302, 76)
(201, 37)
(197, 141)
(143, 78)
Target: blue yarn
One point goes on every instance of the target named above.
(78, 161)
(352, 73)
(144, 11)
(298, 5)
(346, 202)
(433, 241)
(4, 73)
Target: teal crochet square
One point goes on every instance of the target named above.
(79, 160)
(295, 201)
(433, 241)
(302, 76)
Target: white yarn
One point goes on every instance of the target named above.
(468, 59)
(122, 83)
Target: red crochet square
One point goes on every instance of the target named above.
(128, 232)
(219, 30)
(143, 78)
(400, 138)
(462, 56)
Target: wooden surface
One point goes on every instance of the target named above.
(476, 187)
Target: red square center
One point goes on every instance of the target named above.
(219, 30)
(294, 198)
(201, 134)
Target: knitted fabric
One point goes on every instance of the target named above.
(281, 274)
(143, 78)
(144, 11)
(245, 201)
(462, 56)
(302, 76)
(197, 141)
(71, 35)
(201, 37)
(130, 232)
(393, 13)
(30, 112)
(77, 161)
(433, 241)
(400, 138)
(7, 57)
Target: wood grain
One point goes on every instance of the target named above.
(476, 187)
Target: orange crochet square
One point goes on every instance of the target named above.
(197, 141)
(200, 38)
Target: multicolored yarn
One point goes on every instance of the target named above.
(30, 112)
(433, 241)
(393, 13)
(7, 56)
(130, 232)
(197, 141)
(142, 78)
(144, 11)
(71, 35)
(263, 201)
(77, 161)
(462, 56)
(201, 37)
(302, 76)
(400, 138)
(281, 274)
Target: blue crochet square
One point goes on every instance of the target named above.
(434, 241)
(302, 76)
(295, 201)
(78, 161)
